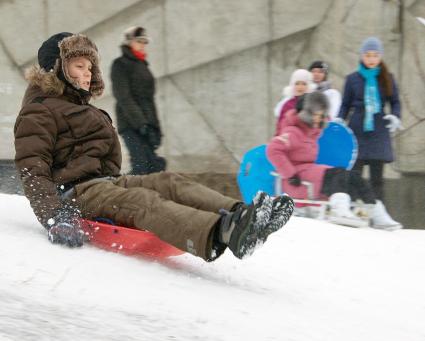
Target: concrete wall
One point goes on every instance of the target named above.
(221, 65)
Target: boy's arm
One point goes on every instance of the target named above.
(35, 136)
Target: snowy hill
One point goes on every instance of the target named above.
(311, 281)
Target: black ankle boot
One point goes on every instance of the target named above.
(239, 229)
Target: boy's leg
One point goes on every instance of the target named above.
(172, 186)
(185, 227)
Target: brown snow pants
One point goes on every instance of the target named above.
(181, 212)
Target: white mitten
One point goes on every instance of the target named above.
(339, 120)
(393, 124)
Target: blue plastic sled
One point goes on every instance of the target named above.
(337, 148)
(255, 174)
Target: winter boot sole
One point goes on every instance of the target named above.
(282, 210)
(245, 237)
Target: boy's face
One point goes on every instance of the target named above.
(300, 88)
(371, 59)
(79, 69)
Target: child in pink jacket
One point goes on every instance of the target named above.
(294, 152)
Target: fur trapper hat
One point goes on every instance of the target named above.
(53, 58)
(310, 103)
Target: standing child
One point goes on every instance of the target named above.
(366, 92)
(301, 82)
(320, 73)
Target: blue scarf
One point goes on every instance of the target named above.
(372, 97)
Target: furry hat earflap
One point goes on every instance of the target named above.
(53, 58)
(311, 103)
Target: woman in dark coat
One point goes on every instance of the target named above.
(133, 86)
(365, 94)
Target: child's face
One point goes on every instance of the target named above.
(318, 117)
(371, 59)
(300, 88)
(318, 75)
(79, 69)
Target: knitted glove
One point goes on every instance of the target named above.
(65, 231)
(143, 130)
(154, 137)
(393, 124)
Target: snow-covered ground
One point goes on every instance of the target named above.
(311, 281)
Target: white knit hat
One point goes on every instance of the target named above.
(299, 75)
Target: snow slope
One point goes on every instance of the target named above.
(311, 281)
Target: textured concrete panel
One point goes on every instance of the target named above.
(285, 57)
(232, 96)
(12, 87)
(338, 38)
(22, 28)
(413, 71)
(417, 8)
(411, 151)
(289, 17)
(411, 142)
(80, 15)
(188, 133)
(203, 30)
(44, 18)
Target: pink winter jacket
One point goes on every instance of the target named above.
(294, 152)
(288, 106)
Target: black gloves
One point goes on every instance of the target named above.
(66, 234)
(144, 130)
(65, 229)
(152, 134)
(295, 180)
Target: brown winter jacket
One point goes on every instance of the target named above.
(60, 140)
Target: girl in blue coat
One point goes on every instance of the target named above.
(365, 94)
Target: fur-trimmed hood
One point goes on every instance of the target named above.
(53, 82)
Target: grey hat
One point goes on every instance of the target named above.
(135, 33)
(310, 103)
(372, 44)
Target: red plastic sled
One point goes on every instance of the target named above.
(127, 240)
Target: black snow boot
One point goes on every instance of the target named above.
(282, 209)
(240, 228)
